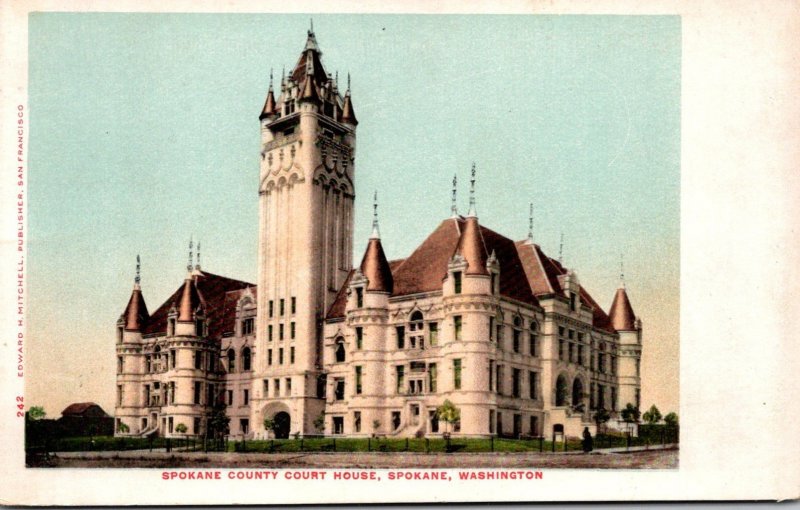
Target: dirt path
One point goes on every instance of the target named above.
(654, 459)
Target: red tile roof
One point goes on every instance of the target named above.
(376, 268)
(212, 291)
(472, 247)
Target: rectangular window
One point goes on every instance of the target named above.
(266, 388)
(499, 423)
(573, 301)
(533, 385)
(601, 363)
(561, 350)
(491, 421)
(280, 356)
(561, 331)
(400, 372)
(457, 282)
(534, 426)
(198, 391)
(269, 333)
(601, 396)
(291, 355)
(230, 397)
(338, 385)
(613, 398)
(516, 340)
(289, 386)
(491, 375)
(294, 305)
(292, 330)
(499, 379)
(491, 329)
(499, 335)
(120, 364)
(196, 426)
(282, 306)
(171, 424)
(248, 326)
(457, 374)
(269, 356)
(173, 357)
(433, 329)
(532, 347)
(119, 395)
(276, 387)
(580, 355)
(613, 365)
(338, 425)
(359, 375)
(359, 297)
(432, 378)
(271, 308)
(244, 425)
(322, 385)
(401, 337)
(148, 364)
(280, 331)
(571, 334)
(357, 421)
(359, 338)
(571, 352)
(457, 327)
(516, 374)
(245, 397)
(396, 419)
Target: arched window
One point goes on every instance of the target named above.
(246, 359)
(231, 361)
(416, 337)
(340, 353)
(561, 391)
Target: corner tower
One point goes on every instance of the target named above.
(306, 193)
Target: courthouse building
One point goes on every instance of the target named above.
(496, 326)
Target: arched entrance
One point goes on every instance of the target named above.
(561, 391)
(577, 392)
(282, 425)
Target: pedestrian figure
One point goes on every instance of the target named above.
(587, 440)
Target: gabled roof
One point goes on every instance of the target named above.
(211, 290)
(543, 275)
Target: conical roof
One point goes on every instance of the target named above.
(472, 248)
(309, 90)
(189, 301)
(348, 113)
(621, 312)
(269, 105)
(376, 268)
(135, 314)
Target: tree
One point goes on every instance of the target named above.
(270, 425)
(36, 413)
(601, 416)
(671, 420)
(123, 429)
(319, 423)
(181, 428)
(652, 415)
(218, 422)
(630, 414)
(448, 413)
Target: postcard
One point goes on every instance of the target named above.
(260, 253)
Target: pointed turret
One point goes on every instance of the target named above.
(621, 312)
(348, 113)
(189, 300)
(374, 265)
(309, 92)
(270, 104)
(472, 248)
(135, 314)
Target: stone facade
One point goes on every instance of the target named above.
(498, 328)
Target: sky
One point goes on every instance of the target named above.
(144, 132)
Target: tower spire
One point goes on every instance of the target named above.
(472, 211)
(621, 272)
(138, 278)
(197, 265)
(561, 249)
(375, 232)
(454, 206)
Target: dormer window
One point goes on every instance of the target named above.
(457, 282)
(340, 352)
(416, 337)
(248, 325)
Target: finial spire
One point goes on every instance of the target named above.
(375, 232)
(561, 249)
(621, 272)
(138, 278)
(270, 78)
(530, 223)
(311, 23)
(197, 265)
(454, 206)
(348, 81)
(191, 255)
(472, 211)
